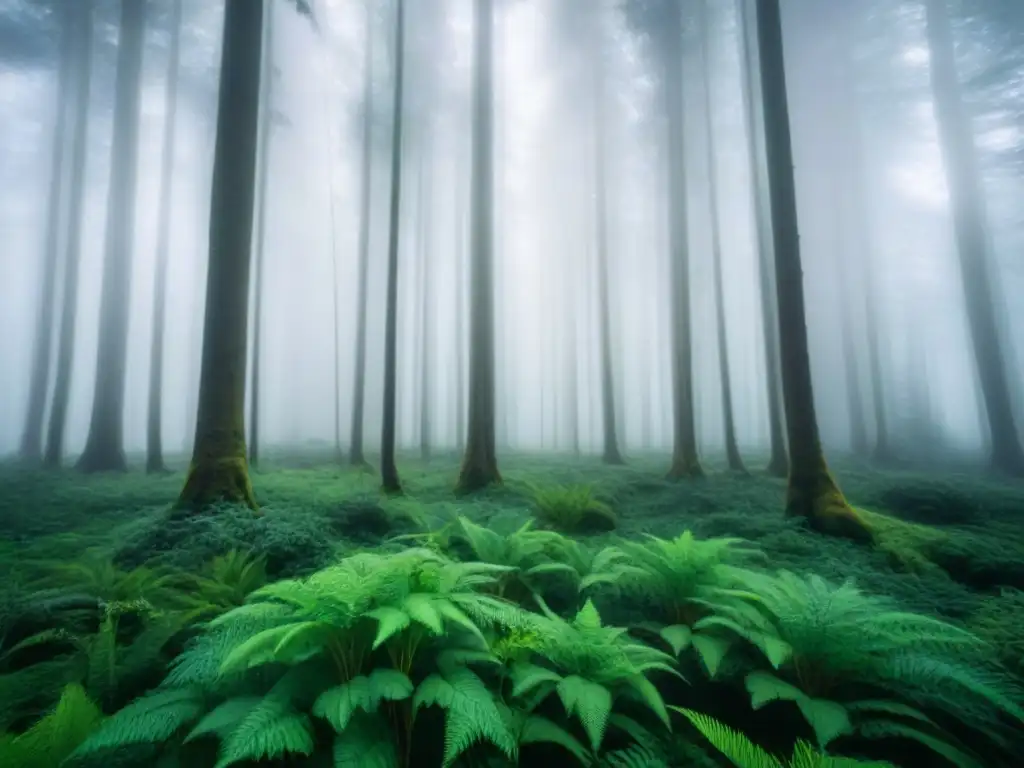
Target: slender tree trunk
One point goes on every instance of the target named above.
(480, 464)
(82, 44)
(426, 291)
(611, 453)
(461, 249)
(388, 470)
(966, 195)
(356, 455)
(732, 450)
(812, 492)
(685, 461)
(778, 463)
(104, 447)
(266, 133)
(154, 438)
(31, 450)
(219, 470)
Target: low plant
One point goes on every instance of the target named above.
(571, 508)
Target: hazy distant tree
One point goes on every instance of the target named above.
(461, 249)
(480, 464)
(154, 441)
(32, 435)
(812, 491)
(266, 133)
(104, 447)
(426, 298)
(611, 453)
(356, 456)
(778, 463)
(732, 450)
(956, 138)
(219, 470)
(388, 470)
(82, 46)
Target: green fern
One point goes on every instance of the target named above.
(828, 644)
(53, 738)
(228, 580)
(100, 577)
(566, 508)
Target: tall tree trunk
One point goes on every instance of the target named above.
(966, 196)
(732, 451)
(219, 470)
(812, 492)
(426, 291)
(778, 463)
(461, 248)
(104, 447)
(480, 464)
(356, 455)
(611, 453)
(685, 461)
(388, 470)
(31, 450)
(266, 132)
(82, 46)
(154, 439)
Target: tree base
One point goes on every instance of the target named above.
(219, 481)
(817, 498)
(1008, 461)
(685, 467)
(477, 473)
(101, 460)
(613, 458)
(778, 465)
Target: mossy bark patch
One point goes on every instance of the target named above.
(213, 480)
(814, 495)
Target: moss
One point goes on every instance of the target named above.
(1000, 622)
(815, 496)
(908, 546)
(217, 480)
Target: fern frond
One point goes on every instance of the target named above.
(55, 737)
(270, 729)
(369, 743)
(154, 718)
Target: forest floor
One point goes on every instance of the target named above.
(313, 511)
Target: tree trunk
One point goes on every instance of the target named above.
(461, 248)
(266, 132)
(685, 462)
(812, 492)
(31, 450)
(480, 464)
(154, 439)
(72, 259)
(426, 291)
(104, 447)
(611, 453)
(356, 455)
(388, 470)
(966, 197)
(219, 470)
(732, 451)
(778, 463)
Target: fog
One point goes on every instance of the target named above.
(861, 71)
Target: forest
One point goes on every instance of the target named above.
(481, 383)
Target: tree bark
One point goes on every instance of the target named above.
(154, 439)
(732, 451)
(219, 470)
(812, 492)
(356, 455)
(72, 259)
(778, 463)
(31, 450)
(390, 481)
(480, 464)
(104, 447)
(966, 198)
(426, 291)
(685, 461)
(611, 453)
(266, 132)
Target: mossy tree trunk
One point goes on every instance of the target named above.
(480, 464)
(154, 418)
(355, 449)
(685, 461)
(219, 470)
(104, 446)
(778, 463)
(812, 493)
(31, 449)
(611, 453)
(266, 132)
(388, 469)
(82, 47)
(956, 140)
(732, 451)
